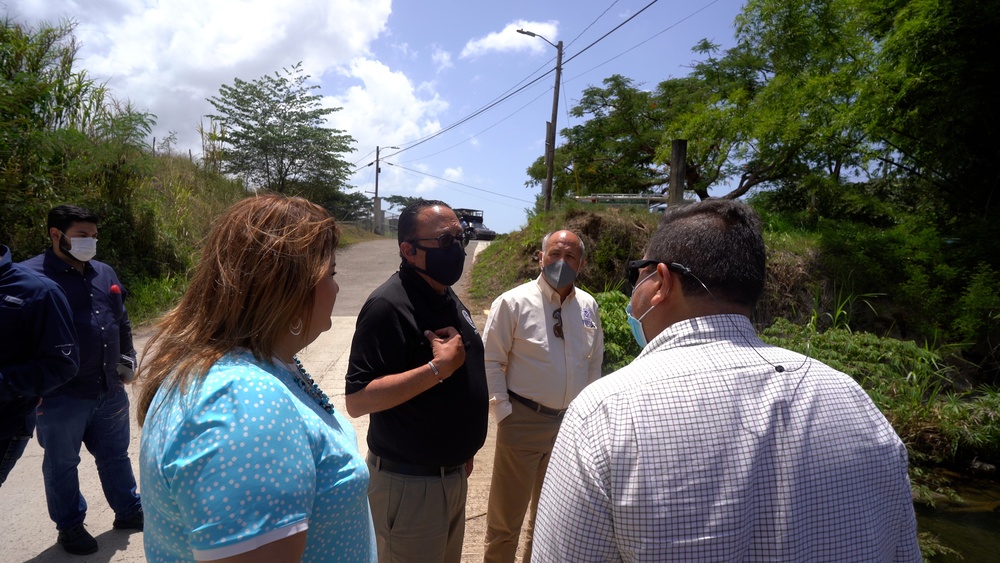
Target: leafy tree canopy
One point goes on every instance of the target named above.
(930, 97)
(815, 94)
(399, 201)
(275, 132)
(344, 206)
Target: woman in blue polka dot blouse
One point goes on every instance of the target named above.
(242, 456)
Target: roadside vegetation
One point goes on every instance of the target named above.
(65, 138)
(944, 405)
(866, 136)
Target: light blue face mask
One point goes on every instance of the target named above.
(634, 323)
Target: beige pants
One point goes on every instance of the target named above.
(418, 518)
(524, 442)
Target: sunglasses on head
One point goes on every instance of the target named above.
(632, 272)
(445, 240)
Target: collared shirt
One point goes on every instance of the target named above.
(103, 329)
(524, 355)
(445, 425)
(38, 351)
(701, 450)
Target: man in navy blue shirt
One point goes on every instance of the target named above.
(92, 408)
(37, 352)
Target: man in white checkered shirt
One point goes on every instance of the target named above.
(711, 445)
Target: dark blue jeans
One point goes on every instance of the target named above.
(64, 424)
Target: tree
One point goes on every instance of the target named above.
(930, 98)
(782, 102)
(615, 149)
(344, 206)
(400, 201)
(45, 105)
(275, 133)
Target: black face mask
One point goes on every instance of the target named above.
(444, 265)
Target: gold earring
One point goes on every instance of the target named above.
(296, 329)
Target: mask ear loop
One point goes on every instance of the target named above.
(683, 270)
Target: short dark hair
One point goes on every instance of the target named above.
(720, 242)
(406, 227)
(61, 217)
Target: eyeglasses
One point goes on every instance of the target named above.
(445, 240)
(557, 315)
(633, 272)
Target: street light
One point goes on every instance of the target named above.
(550, 131)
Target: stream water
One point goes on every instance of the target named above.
(973, 530)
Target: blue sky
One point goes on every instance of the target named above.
(401, 72)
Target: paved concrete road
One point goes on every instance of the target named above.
(27, 534)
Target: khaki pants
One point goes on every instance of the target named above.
(418, 518)
(524, 442)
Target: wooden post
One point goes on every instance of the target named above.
(678, 170)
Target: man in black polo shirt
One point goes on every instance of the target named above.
(417, 367)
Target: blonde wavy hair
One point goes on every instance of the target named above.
(256, 278)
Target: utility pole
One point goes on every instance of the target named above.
(377, 217)
(550, 127)
(550, 141)
(376, 203)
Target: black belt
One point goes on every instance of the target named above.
(542, 409)
(411, 469)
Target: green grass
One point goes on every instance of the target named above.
(148, 299)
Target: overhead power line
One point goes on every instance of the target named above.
(459, 183)
(525, 84)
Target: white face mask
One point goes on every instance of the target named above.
(83, 248)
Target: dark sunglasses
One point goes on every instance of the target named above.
(557, 315)
(445, 240)
(632, 272)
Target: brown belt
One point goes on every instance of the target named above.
(542, 409)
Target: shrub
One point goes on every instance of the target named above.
(620, 348)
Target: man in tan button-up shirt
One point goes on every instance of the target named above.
(544, 344)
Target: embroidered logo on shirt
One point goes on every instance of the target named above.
(11, 300)
(588, 318)
(468, 319)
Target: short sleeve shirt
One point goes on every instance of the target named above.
(244, 458)
(445, 425)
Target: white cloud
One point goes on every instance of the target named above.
(385, 109)
(169, 56)
(510, 40)
(441, 59)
